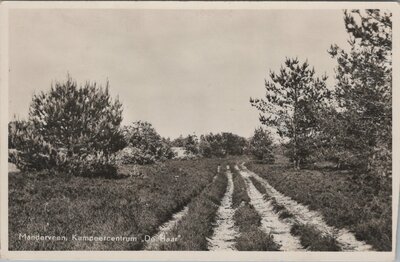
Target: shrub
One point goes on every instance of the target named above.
(256, 240)
(377, 231)
(257, 184)
(246, 216)
(20, 137)
(251, 237)
(239, 189)
(145, 145)
(73, 129)
(285, 214)
(313, 240)
(191, 145)
(261, 145)
(15, 130)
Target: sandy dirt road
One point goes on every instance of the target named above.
(225, 231)
(303, 215)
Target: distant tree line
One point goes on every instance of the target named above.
(223, 144)
(351, 123)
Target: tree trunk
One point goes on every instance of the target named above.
(295, 130)
(296, 164)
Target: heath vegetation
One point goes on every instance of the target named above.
(329, 148)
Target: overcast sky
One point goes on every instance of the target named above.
(184, 71)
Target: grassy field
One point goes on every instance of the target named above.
(49, 204)
(360, 203)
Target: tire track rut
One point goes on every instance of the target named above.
(166, 228)
(225, 231)
(270, 221)
(303, 215)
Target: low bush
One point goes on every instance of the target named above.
(313, 240)
(145, 145)
(246, 217)
(277, 207)
(239, 189)
(285, 214)
(251, 237)
(258, 185)
(375, 231)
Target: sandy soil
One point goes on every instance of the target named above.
(12, 167)
(165, 228)
(270, 220)
(225, 231)
(303, 215)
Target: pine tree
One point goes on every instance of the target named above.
(364, 87)
(291, 100)
(74, 129)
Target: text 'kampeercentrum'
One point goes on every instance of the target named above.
(146, 238)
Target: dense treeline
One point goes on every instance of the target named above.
(221, 145)
(350, 123)
(260, 145)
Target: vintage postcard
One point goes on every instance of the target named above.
(230, 131)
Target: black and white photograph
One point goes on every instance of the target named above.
(200, 129)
